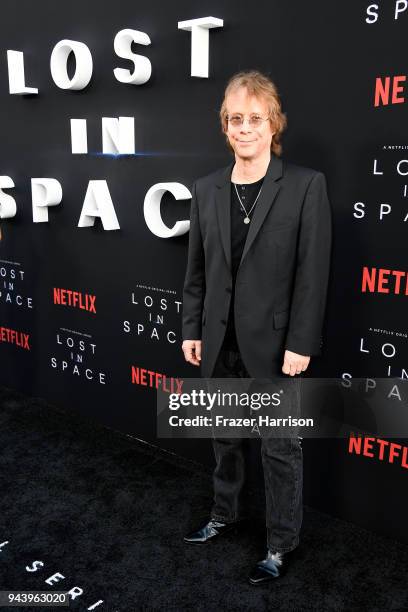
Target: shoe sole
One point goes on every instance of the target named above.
(263, 582)
(267, 580)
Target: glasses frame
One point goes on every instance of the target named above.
(228, 119)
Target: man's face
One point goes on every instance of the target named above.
(248, 141)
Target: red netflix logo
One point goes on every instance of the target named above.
(376, 448)
(150, 378)
(75, 299)
(15, 337)
(386, 91)
(381, 280)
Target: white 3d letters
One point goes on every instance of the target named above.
(15, 61)
(7, 203)
(118, 135)
(79, 136)
(98, 203)
(199, 42)
(44, 192)
(58, 64)
(151, 209)
(123, 48)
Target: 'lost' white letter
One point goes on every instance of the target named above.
(83, 69)
(199, 42)
(123, 48)
(15, 61)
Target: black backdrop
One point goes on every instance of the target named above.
(325, 58)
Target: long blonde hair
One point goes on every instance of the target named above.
(261, 86)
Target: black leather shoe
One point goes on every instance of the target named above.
(274, 566)
(212, 530)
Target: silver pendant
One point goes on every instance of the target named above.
(247, 220)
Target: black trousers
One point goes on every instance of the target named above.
(282, 461)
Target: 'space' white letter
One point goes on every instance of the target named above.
(44, 192)
(151, 209)
(8, 205)
(98, 203)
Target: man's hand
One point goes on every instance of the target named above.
(294, 363)
(192, 351)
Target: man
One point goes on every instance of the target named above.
(254, 298)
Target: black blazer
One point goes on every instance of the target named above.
(282, 279)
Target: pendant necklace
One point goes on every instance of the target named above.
(246, 218)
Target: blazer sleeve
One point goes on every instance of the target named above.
(304, 335)
(194, 282)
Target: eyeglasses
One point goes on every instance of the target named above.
(254, 120)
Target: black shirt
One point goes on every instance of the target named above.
(239, 230)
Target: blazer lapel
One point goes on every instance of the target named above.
(270, 189)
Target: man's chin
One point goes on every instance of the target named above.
(244, 154)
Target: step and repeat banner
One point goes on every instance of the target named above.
(109, 113)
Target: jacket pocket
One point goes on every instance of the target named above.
(280, 319)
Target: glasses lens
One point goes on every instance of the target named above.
(255, 120)
(235, 119)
